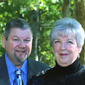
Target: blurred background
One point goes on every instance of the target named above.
(41, 15)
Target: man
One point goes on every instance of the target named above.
(17, 42)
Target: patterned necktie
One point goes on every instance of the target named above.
(18, 79)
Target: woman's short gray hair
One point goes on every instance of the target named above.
(68, 26)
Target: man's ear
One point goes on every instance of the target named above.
(3, 41)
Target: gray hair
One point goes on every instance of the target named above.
(16, 23)
(67, 26)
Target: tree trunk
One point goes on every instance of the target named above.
(34, 17)
(80, 16)
(65, 8)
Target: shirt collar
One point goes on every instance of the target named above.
(9, 64)
(24, 67)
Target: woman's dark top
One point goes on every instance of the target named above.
(71, 75)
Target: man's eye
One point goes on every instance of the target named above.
(27, 40)
(15, 39)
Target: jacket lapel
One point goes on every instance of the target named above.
(4, 77)
(30, 69)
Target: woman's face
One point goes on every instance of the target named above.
(65, 50)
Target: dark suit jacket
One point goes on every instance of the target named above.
(34, 68)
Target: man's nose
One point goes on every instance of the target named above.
(22, 44)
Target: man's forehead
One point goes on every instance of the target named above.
(20, 32)
(18, 28)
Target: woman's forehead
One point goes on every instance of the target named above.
(62, 34)
(65, 32)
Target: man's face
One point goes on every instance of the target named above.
(18, 45)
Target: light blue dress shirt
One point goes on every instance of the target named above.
(11, 69)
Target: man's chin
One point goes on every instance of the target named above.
(23, 58)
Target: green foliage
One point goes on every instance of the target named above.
(49, 12)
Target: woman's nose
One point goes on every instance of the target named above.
(63, 45)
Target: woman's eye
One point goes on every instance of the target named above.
(70, 42)
(57, 41)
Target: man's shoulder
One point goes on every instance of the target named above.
(3, 67)
(37, 64)
(2, 60)
(39, 78)
(44, 74)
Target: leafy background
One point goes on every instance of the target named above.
(41, 15)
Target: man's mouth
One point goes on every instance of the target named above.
(21, 51)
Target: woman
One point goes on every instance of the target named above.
(67, 39)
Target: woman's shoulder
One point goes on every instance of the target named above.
(82, 71)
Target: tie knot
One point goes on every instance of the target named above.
(18, 72)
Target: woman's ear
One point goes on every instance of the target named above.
(52, 50)
(79, 49)
(3, 41)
